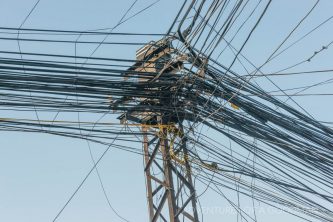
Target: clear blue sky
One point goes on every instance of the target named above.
(39, 172)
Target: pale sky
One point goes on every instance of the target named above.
(39, 172)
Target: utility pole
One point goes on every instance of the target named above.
(170, 192)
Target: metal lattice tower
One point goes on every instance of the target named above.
(170, 191)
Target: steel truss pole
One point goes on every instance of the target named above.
(170, 191)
